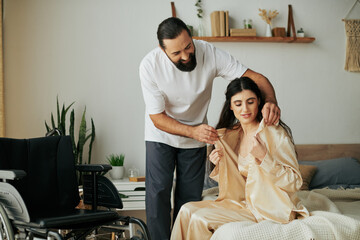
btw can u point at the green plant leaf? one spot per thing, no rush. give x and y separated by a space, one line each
82 136
88 136
67 109
92 139
123 195
58 110
116 159
53 121
65 112
47 127
72 135
62 120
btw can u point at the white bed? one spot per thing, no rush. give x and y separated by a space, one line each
333 199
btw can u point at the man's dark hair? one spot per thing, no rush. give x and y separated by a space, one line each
170 28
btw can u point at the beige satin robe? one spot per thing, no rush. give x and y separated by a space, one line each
248 191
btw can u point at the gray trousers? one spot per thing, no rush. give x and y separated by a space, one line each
161 160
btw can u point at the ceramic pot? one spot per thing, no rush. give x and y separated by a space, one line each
117 172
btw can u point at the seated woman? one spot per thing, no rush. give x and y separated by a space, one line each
255 166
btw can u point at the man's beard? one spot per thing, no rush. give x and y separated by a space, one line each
187 67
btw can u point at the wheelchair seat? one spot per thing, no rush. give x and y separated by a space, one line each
40 192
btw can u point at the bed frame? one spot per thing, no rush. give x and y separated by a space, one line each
313 152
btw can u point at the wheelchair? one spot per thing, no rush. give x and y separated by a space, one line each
39 195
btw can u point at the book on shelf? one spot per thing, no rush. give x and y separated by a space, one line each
219 23
222 23
215 26
227 33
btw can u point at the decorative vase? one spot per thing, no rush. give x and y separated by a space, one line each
268 31
117 172
201 29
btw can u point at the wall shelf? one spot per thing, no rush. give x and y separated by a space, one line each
257 39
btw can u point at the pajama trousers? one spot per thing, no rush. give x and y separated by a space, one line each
199 220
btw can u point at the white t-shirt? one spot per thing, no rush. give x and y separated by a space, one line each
184 96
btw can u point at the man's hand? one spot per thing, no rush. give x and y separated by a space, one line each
271 113
204 133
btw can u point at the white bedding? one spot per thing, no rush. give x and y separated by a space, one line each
335 214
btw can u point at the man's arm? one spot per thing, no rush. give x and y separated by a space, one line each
264 84
202 133
271 111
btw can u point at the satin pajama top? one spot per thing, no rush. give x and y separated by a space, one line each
268 189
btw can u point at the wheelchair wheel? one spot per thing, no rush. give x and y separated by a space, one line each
6 231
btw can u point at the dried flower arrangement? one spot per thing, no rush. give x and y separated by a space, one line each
268 16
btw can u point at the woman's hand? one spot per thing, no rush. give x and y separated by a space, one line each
215 156
258 149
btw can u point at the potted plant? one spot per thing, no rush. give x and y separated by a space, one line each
59 128
117 163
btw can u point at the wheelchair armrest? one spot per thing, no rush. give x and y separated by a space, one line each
93 168
92 181
12 174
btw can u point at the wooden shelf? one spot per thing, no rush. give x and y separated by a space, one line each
257 39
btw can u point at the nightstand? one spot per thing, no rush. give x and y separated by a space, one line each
134 192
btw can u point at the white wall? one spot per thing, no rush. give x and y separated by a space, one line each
88 51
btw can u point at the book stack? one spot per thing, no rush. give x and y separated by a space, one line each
220 23
234 32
